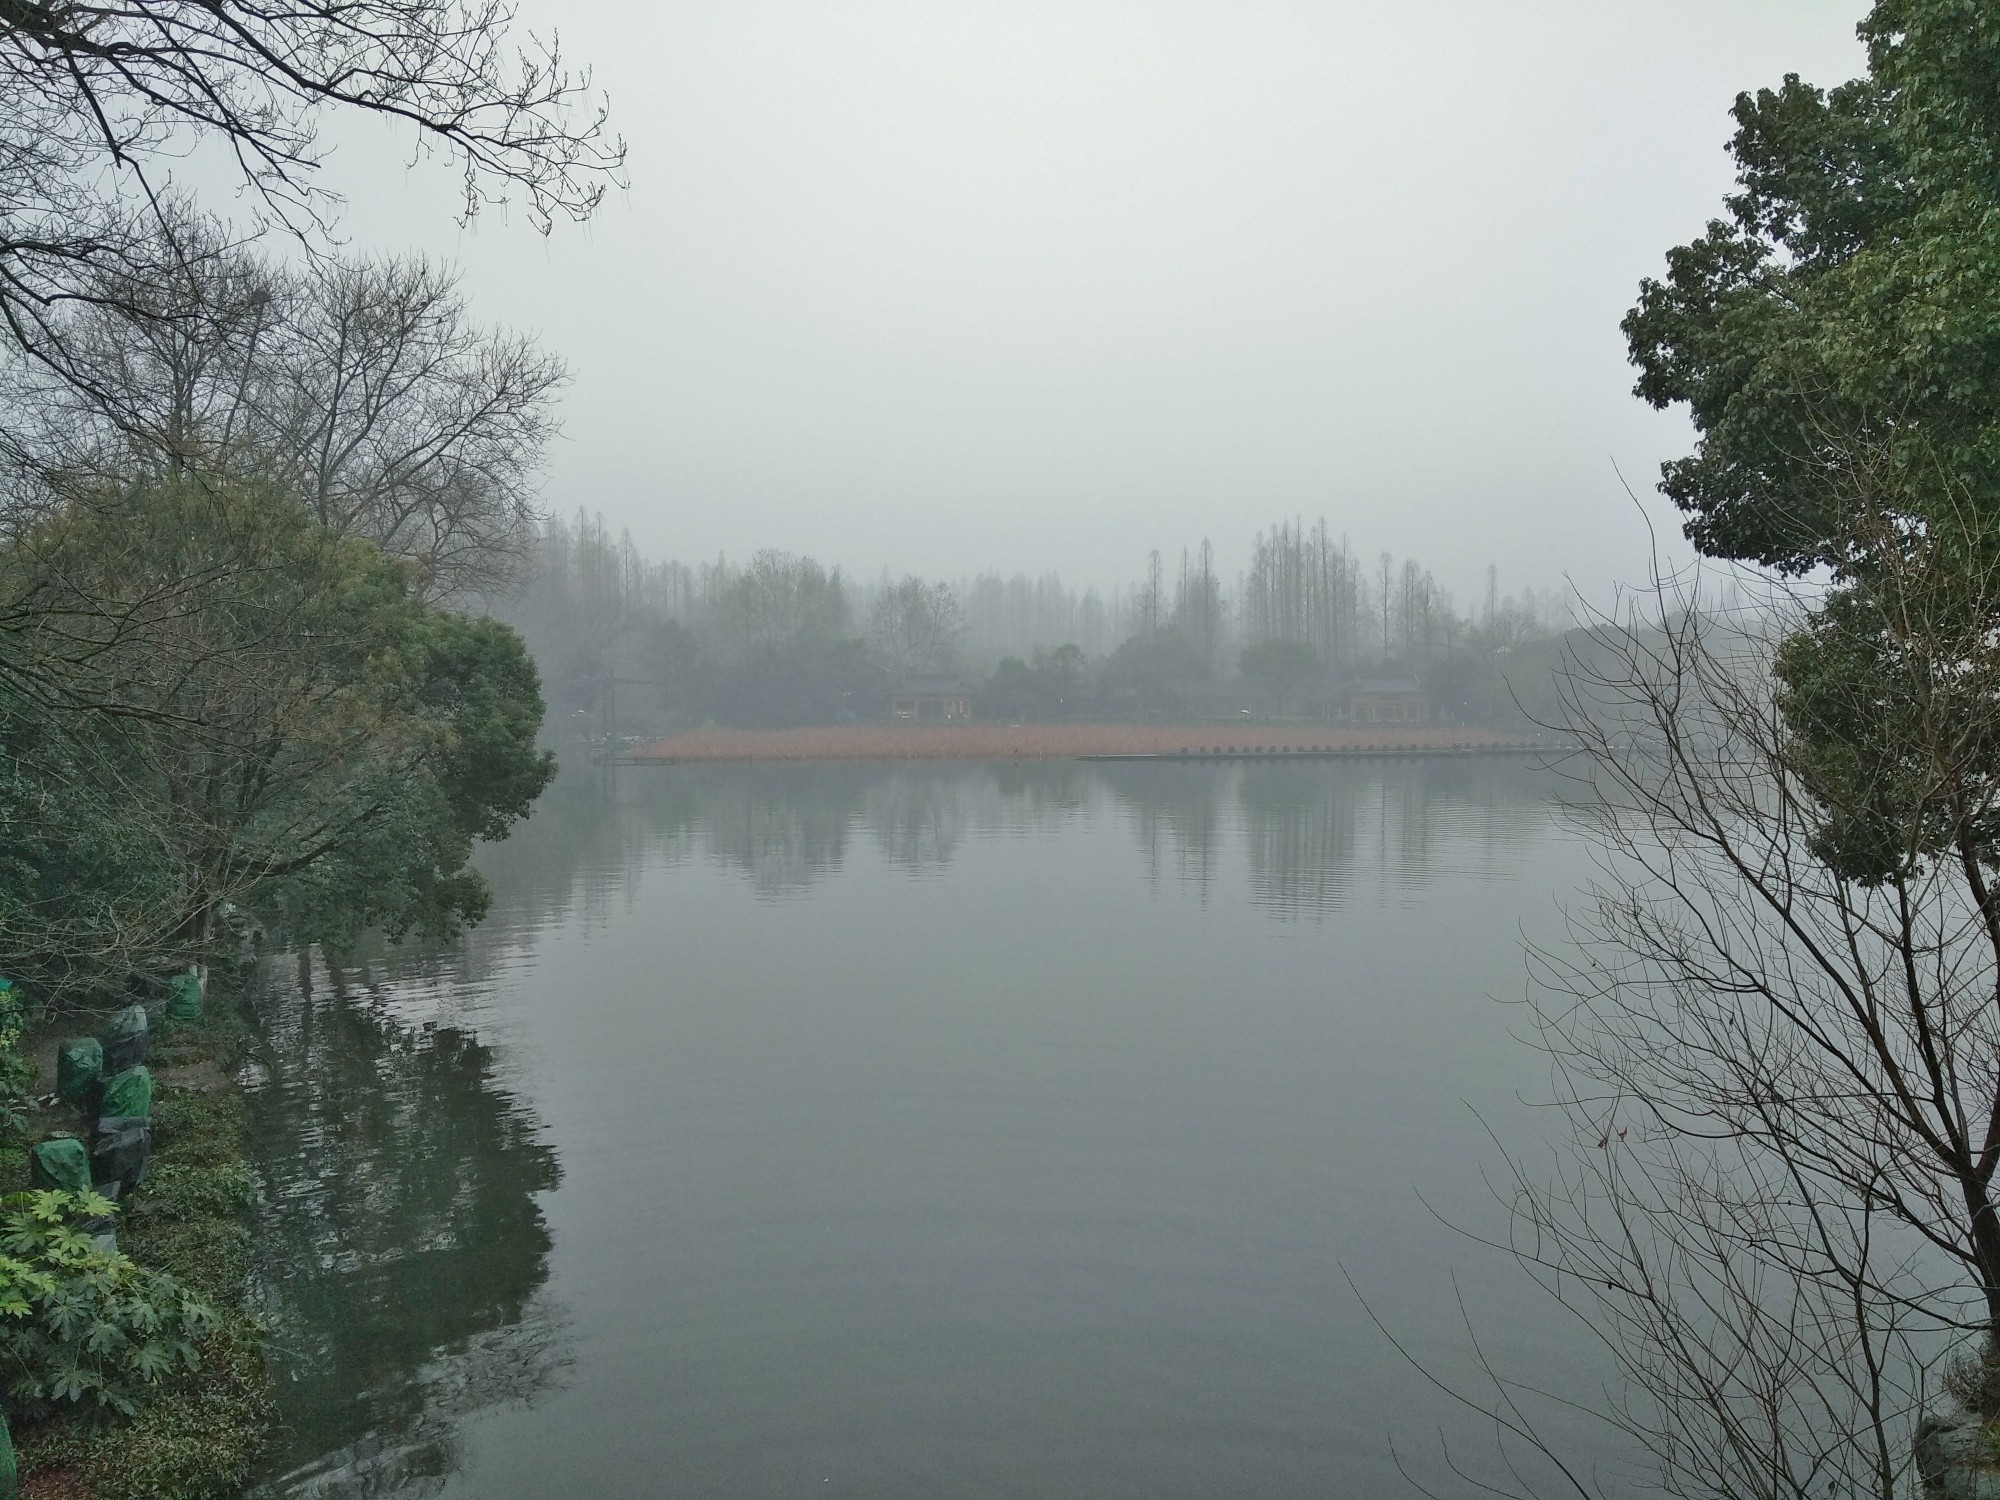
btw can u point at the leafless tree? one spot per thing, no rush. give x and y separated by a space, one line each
101 99
782 597
915 627
1775 1027
365 387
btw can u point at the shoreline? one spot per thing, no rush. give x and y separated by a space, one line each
194 1217
1096 742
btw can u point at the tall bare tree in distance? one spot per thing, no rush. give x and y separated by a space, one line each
916 627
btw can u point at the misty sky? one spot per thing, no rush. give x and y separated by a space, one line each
952 287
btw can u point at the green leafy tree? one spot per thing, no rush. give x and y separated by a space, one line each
86 888
1041 689
1061 668
1161 669
1280 668
468 770
297 732
1832 338
1787 991
1834 341
1013 691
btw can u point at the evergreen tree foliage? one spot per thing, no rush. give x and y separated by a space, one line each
277 720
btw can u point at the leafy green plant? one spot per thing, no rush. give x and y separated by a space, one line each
82 1327
17 1069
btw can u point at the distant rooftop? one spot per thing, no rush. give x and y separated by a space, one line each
1384 685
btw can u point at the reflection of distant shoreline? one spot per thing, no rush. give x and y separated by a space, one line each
1059 741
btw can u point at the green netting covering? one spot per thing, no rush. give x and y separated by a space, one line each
125 1038
129 1094
184 997
79 1063
60 1163
10 1473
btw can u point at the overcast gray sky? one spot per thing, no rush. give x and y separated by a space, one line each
950 287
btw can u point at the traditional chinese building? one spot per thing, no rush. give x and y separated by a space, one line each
937 700
1386 700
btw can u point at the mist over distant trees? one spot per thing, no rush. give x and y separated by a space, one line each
915 627
1012 616
630 645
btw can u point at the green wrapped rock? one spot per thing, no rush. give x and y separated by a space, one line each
184 997
61 1163
79 1064
125 1038
129 1093
10 1471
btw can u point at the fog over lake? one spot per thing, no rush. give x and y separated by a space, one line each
1032 286
987 1130
754 748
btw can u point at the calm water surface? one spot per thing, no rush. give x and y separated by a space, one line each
985 1130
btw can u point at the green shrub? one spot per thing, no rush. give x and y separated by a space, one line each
84 1328
17 1069
177 1191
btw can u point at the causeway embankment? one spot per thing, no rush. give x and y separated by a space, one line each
1068 742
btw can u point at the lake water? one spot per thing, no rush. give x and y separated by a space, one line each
968 1130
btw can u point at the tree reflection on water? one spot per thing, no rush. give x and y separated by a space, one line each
403 1253
405 1256
1308 835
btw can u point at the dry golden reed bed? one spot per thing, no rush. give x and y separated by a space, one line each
1052 741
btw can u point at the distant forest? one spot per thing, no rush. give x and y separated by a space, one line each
628 645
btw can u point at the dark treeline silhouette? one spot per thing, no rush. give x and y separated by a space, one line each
628 645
